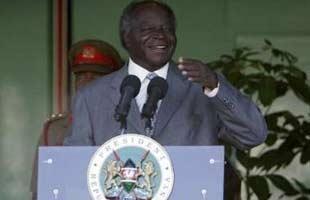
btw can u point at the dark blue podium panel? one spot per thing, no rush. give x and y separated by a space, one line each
198 172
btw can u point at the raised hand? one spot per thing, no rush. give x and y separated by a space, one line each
197 71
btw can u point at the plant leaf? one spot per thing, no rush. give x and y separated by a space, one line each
299 87
283 184
302 198
259 186
305 155
302 187
274 159
268 42
271 139
281 88
267 90
245 160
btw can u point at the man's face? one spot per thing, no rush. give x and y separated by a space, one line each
151 41
83 78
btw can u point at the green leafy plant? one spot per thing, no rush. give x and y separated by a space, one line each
266 75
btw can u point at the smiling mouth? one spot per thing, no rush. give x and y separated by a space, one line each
159 48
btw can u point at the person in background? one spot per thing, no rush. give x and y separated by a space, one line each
88 60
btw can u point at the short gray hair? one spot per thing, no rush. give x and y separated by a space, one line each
128 16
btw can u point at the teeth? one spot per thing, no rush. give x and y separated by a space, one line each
160 47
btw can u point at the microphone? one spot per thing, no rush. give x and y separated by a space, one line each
156 90
129 89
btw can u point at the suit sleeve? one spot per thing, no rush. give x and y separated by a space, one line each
242 122
80 132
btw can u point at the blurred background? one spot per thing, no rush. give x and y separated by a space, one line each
35 36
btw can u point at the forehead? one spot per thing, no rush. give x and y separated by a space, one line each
151 13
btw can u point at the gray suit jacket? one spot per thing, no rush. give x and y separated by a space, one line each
186 115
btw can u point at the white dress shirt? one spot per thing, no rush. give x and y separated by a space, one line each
141 73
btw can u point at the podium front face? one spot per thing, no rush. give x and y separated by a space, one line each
198 172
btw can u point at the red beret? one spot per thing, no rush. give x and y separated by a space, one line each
94 55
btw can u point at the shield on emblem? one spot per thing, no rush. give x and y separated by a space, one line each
129 175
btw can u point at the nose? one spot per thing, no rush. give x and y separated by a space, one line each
159 33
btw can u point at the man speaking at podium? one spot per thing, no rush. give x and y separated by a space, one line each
200 106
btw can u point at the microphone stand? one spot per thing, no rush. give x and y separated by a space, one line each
149 117
123 127
148 127
122 120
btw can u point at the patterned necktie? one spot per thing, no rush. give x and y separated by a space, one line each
142 96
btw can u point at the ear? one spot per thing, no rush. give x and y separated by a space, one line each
126 39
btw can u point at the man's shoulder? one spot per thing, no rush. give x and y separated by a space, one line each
97 87
103 82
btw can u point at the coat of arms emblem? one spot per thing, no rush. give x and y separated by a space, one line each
130 167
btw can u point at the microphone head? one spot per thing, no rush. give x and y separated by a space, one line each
159 83
133 82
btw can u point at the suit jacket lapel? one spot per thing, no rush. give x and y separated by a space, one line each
134 114
177 90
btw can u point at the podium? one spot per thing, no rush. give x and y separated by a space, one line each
198 172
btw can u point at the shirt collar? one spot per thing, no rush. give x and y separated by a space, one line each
141 73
